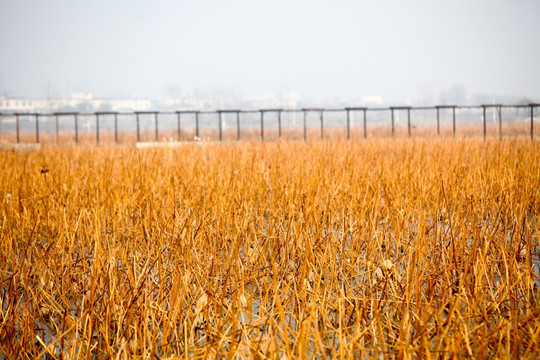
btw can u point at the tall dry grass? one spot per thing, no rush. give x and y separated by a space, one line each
394 248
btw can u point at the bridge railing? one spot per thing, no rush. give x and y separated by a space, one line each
269 123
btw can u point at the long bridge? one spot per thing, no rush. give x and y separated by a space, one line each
261 114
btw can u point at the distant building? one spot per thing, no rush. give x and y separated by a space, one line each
372 100
80 102
20 104
84 102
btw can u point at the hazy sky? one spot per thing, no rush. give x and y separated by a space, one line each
400 50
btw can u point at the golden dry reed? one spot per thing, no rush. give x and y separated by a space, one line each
331 249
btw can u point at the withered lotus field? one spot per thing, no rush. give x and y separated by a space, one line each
327 249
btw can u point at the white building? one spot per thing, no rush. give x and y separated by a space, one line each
84 102
80 102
